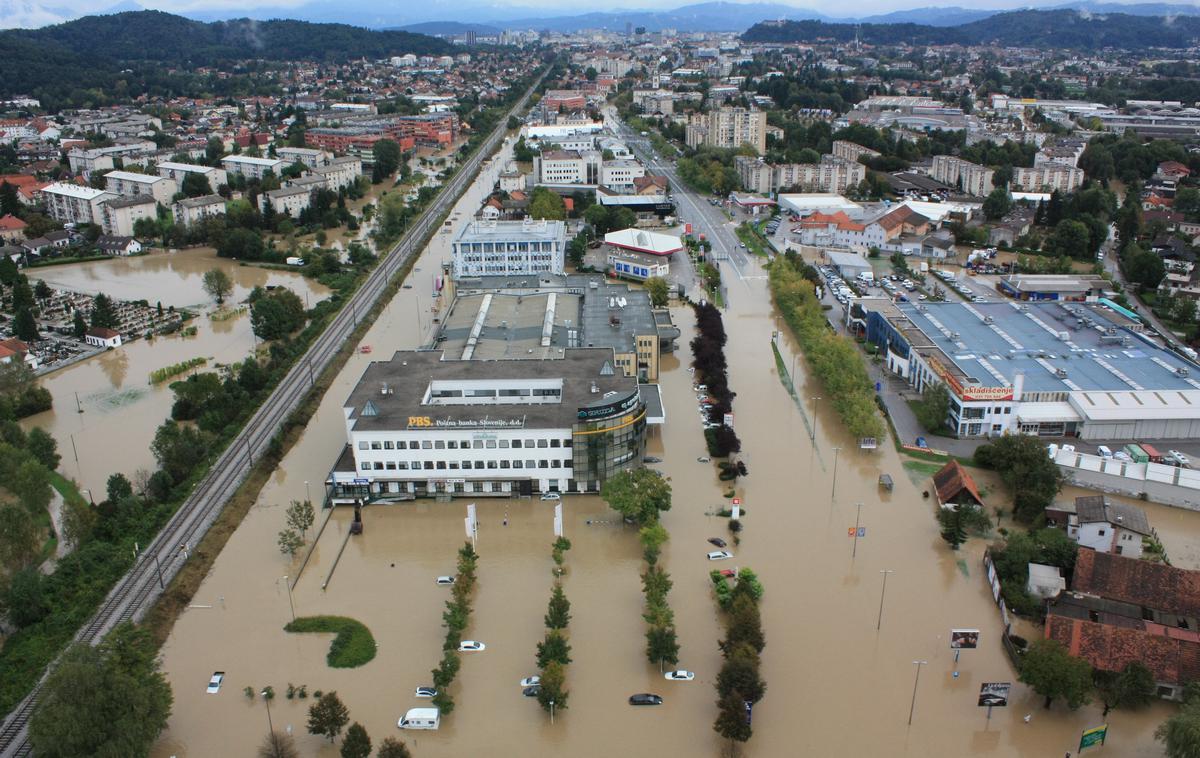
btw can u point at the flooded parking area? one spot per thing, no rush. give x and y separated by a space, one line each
840 675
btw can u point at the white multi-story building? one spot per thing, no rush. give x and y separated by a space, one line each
1048 177
490 248
193 210
422 424
832 174
974 179
75 204
87 161
567 167
310 157
130 184
728 128
619 174
340 173
852 151
177 171
251 167
289 200
120 214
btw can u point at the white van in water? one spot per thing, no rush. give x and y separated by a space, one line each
421 718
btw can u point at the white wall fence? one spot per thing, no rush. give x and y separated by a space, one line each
1157 482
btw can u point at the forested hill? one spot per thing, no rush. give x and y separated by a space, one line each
166 38
1029 28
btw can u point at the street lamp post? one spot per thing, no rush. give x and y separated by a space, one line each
917 679
833 491
813 436
267 699
307 493
879 621
291 603
551 711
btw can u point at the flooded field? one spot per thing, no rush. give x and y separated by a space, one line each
173 278
836 685
121 409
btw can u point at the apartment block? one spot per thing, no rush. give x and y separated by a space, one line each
1048 177
291 201
832 174
74 204
130 184
307 156
178 171
340 173
251 167
567 167
121 214
193 210
728 128
974 179
852 151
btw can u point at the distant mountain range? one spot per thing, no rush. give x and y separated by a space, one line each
1068 29
701 17
449 28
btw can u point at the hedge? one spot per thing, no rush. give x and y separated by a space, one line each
352 647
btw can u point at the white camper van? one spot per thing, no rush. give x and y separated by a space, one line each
421 718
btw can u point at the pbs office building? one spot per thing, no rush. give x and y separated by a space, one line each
421 425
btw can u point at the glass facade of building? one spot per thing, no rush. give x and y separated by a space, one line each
608 443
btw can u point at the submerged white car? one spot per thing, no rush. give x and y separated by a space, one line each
679 676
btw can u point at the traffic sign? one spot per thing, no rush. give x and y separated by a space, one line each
862 531
737 501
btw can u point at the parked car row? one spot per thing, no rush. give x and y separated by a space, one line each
1134 452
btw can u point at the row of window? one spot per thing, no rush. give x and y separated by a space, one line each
463 444
536 392
500 247
460 465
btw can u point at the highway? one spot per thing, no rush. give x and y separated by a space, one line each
137 591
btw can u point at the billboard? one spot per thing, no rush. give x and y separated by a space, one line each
964 639
994 694
1092 737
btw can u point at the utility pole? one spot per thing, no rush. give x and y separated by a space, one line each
857 521
290 601
917 679
879 621
813 436
833 491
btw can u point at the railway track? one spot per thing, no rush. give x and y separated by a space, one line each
158 563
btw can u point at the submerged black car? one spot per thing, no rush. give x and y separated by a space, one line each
645 698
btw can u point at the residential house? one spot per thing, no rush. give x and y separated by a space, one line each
954 486
12 230
1121 610
118 245
102 337
15 350
1108 527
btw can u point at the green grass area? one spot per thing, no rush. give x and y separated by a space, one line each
67 488
919 471
353 646
749 235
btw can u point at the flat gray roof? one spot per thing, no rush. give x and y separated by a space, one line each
1097 354
408 373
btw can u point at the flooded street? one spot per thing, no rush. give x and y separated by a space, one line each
835 685
121 409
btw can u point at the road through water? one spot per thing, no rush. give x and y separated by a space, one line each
836 685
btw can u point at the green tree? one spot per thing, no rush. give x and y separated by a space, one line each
547 204
72 719
640 495
19 540
25 325
553 687
1129 218
387 155
241 244
658 290
195 185
731 720
953 531
79 327
42 291
275 314
554 648
118 487
1026 470
997 204
300 516
178 449
392 748
289 542
1054 673
217 284
278 745
662 646
933 407
328 716
1071 239
739 676
104 312
357 743
43 447
558 614
1142 266
24 599
1180 734
1184 311
31 485
744 625
1131 688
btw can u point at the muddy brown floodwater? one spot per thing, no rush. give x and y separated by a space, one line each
121 409
836 686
